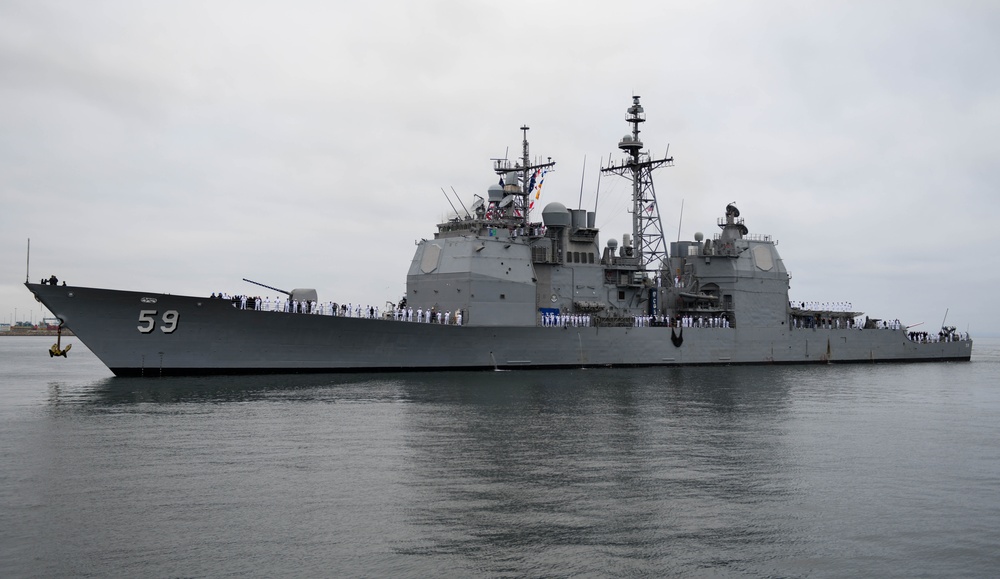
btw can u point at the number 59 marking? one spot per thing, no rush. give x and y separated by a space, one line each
147 322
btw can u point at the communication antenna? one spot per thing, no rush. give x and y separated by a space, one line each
680 220
582 175
457 196
27 266
597 195
506 153
449 201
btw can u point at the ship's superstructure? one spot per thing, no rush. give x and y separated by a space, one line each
498 288
500 268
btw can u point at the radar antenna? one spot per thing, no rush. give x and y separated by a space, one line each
647 230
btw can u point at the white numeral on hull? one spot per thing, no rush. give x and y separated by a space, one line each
147 321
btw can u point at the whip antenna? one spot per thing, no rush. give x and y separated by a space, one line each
459 197
679 221
449 201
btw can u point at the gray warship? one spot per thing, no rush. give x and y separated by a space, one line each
494 289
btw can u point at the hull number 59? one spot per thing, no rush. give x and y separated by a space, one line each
147 321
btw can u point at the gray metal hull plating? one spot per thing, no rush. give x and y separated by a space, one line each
209 336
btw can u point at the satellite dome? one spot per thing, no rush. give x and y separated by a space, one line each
698 236
555 214
629 143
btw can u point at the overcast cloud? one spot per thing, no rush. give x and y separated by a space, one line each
181 146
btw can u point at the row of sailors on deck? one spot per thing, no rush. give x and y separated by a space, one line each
427 317
702 322
552 320
299 306
844 323
941 336
535 231
824 323
682 321
342 310
822 306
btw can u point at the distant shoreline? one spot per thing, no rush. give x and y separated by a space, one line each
36 333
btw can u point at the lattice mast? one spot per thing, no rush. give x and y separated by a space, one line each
647 229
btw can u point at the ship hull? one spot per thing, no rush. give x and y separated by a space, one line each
147 334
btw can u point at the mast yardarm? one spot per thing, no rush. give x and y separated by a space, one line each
521 205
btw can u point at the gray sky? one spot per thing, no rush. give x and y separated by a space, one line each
181 146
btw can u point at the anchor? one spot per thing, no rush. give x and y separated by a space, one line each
56 350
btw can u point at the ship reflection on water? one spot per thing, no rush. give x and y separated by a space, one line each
762 470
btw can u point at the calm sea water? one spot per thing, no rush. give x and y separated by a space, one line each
821 471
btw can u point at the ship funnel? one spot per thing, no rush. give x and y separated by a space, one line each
591 219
